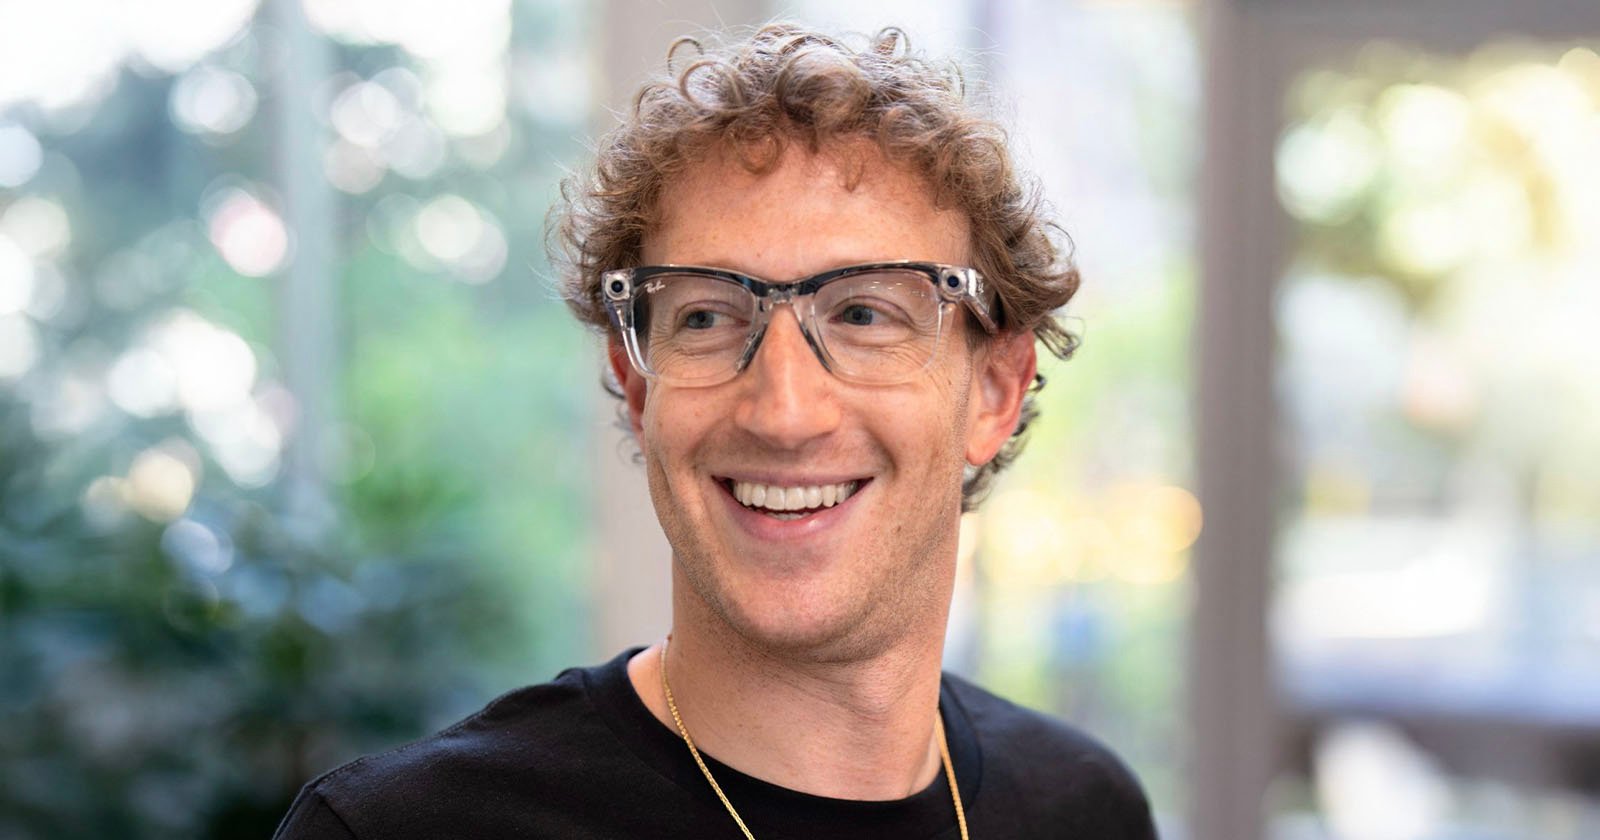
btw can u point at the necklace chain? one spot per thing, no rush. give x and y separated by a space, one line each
938 726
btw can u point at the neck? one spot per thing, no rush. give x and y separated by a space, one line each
856 729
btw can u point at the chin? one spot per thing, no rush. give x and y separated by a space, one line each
818 628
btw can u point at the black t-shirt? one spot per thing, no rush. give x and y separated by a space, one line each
582 757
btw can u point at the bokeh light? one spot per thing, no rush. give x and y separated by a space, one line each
19 346
49 56
1425 236
365 113
416 149
38 225
104 501
199 547
461 48
244 439
1425 129
173 34
161 482
212 101
248 234
351 168
214 367
16 277
380 127
20 155
143 383
461 236
469 100
1324 167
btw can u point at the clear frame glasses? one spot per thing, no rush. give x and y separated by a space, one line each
873 324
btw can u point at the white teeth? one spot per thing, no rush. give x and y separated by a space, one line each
778 499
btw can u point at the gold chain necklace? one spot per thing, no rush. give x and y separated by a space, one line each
938 726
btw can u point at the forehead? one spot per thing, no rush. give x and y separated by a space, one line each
806 214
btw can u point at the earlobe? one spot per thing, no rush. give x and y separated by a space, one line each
629 382
1000 382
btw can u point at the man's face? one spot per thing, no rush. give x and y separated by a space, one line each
845 580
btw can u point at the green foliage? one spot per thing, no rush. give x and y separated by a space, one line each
182 673
162 685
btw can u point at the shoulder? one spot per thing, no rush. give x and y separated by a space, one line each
414 784
499 734
1032 761
1010 732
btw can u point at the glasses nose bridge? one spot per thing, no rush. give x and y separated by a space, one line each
774 296
767 304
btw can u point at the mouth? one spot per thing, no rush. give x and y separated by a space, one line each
786 503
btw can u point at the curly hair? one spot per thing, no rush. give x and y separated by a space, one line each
789 84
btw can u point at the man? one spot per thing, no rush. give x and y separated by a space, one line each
821 284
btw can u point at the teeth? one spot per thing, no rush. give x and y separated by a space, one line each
780 499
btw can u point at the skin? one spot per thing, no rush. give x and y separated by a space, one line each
833 628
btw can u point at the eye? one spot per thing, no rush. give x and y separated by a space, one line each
858 315
869 313
700 319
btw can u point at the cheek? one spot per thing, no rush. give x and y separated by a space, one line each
667 441
673 424
926 430
955 403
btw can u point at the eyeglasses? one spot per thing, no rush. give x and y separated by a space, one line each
873 324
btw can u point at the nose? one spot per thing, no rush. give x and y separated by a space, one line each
788 397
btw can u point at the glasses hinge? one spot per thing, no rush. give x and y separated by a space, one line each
617 284
956 281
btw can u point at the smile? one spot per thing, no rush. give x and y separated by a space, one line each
789 502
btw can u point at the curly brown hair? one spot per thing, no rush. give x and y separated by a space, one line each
789 84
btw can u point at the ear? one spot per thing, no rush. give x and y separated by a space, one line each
629 381
1002 375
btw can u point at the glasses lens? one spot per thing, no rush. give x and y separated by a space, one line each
692 328
879 326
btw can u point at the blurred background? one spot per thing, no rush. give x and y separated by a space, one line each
301 457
